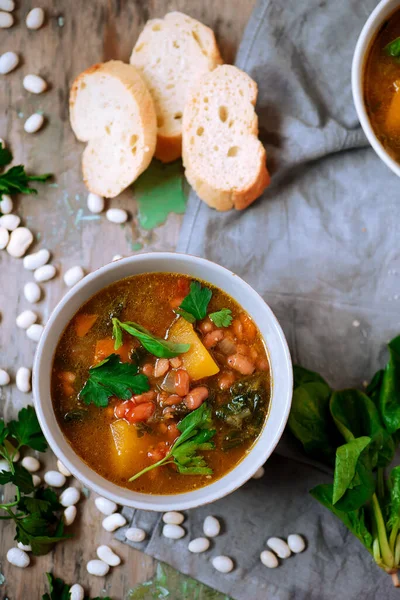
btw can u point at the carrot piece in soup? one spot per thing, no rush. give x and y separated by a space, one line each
393 114
84 323
197 361
106 347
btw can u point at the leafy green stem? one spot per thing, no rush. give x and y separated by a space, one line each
164 461
386 552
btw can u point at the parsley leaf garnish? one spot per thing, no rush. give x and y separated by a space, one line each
196 434
26 431
155 345
221 318
113 378
61 591
38 518
196 302
16 180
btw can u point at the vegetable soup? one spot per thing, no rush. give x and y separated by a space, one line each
161 383
382 85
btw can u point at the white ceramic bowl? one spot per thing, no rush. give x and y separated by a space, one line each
384 9
229 282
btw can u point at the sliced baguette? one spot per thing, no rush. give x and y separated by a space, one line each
171 53
112 110
223 158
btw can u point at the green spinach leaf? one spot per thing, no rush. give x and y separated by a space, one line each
309 419
153 344
355 521
389 398
353 483
393 48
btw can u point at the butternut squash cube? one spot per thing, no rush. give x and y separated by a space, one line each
126 447
197 361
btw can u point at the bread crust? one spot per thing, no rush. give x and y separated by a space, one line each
135 88
177 24
218 195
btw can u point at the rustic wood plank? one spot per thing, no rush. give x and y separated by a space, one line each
76 35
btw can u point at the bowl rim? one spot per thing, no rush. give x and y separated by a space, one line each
181 501
371 27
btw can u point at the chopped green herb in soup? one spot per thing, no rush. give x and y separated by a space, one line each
161 383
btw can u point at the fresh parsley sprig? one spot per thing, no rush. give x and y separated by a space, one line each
221 318
153 344
194 307
16 180
196 435
358 433
113 378
61 591
36 512
195 303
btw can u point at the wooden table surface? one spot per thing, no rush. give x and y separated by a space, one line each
76 34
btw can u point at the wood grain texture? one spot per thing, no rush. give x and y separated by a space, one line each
76 34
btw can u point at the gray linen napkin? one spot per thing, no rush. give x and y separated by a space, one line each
322 247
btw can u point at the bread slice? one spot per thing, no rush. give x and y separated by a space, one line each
112 110
171 53
223 158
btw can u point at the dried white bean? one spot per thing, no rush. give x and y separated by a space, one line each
199 545
117 257
259 473
97 567
173 518
32 292
63 469
269 559
117 215
70 496
95 203
31 464
279 546
36 260
54 478
4 377
76 592
8 62
4 466
34 84
23 379
296 543
26 319
18 558
135 534
20 240
35 18
36 480
211 526
108 556
10 222
4 237
6 20
69 515
24 547
173 532
223 564
34 123
45 273
73 275
105 506
7 5
6 204
113 522
34 332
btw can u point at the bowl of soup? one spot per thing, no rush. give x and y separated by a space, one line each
376 81
162 381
